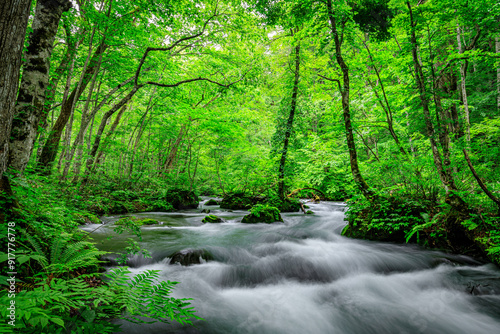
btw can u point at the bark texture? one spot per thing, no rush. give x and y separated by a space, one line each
13 22
34 81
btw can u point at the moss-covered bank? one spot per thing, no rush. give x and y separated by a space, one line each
427 223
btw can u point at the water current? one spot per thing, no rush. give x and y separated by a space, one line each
302 276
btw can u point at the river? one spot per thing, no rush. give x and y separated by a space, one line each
302 276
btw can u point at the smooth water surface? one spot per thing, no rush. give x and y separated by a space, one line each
302 276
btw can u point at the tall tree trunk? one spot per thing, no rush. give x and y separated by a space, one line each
344 91
83 124
289 124
497 49
49 150
169 162
13 22
101 153
444 173
138 140
31 97
463 89
102 126
385 106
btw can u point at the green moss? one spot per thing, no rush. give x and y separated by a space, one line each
262 214
238 201
211 202
309 212
212 219
146 221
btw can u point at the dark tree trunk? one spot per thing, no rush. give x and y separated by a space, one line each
49 150
289 124
344 90
34 81
13 22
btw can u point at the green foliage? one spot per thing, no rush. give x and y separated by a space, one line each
72 305
389 219
62 256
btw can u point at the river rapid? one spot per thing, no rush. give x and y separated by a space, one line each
302 276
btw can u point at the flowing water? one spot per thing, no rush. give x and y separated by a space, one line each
302 276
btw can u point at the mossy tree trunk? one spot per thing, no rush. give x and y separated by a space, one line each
51 146
289 124
13 22
34 81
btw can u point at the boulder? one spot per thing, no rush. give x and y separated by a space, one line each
205 211
309 212
182 199
212 219
211 202
262 214
238 201
146 221
187 257
130 221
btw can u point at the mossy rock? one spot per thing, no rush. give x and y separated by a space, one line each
135 221
284 205
187 257
238 201
212 219
158 205
146 221
211 202
262 214
179 199
309 212
86 218
205 211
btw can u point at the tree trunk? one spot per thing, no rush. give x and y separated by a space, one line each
289 124
497 49
463 74
344 90
49 150
173 152
83 124
34 81
13 22
444 175
102 126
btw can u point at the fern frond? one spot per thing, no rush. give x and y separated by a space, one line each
34 243
72 250
56 249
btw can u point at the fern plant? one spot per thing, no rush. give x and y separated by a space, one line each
62 256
